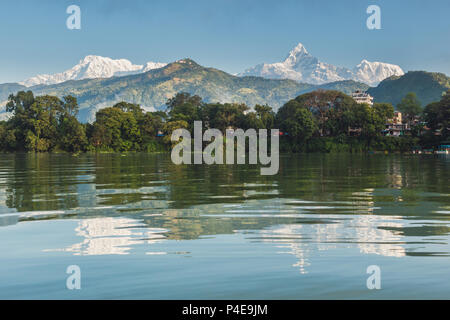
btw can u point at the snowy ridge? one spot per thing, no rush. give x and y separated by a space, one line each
93 67
373 73
301 66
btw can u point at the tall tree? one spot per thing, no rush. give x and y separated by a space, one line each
410 106
184 107
115 129
437 116
301 126
266 115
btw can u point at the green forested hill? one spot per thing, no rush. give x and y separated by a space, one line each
429 87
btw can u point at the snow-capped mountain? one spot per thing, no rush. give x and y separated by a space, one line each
93 67
301 66
373 73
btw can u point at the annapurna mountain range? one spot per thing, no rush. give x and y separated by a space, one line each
299 65
99 82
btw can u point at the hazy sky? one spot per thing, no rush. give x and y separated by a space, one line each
227 34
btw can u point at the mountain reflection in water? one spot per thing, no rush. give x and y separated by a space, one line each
324 206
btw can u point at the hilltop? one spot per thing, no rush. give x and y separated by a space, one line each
429 87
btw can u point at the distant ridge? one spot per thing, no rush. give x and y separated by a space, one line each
429 87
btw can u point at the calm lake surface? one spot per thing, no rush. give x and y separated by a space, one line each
140 227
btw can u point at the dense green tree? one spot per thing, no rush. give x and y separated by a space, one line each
384 110
301 126
315 121
410 106
7 137
117 130
222 116
437 116
70 106
20 105
181 99
266 115
37 119
249 120
43 123
128 107
371 120
184 107
20 102
325 105
171 126
151 123
125 127
73 135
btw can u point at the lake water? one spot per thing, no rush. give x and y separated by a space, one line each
140 227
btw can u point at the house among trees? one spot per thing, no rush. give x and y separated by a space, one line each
395 126
362 97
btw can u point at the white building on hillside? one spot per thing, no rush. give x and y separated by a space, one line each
362 97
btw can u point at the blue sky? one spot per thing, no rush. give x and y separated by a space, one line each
227 34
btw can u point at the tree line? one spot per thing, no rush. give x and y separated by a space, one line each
322 120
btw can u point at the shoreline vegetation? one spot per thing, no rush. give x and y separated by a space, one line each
325 121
